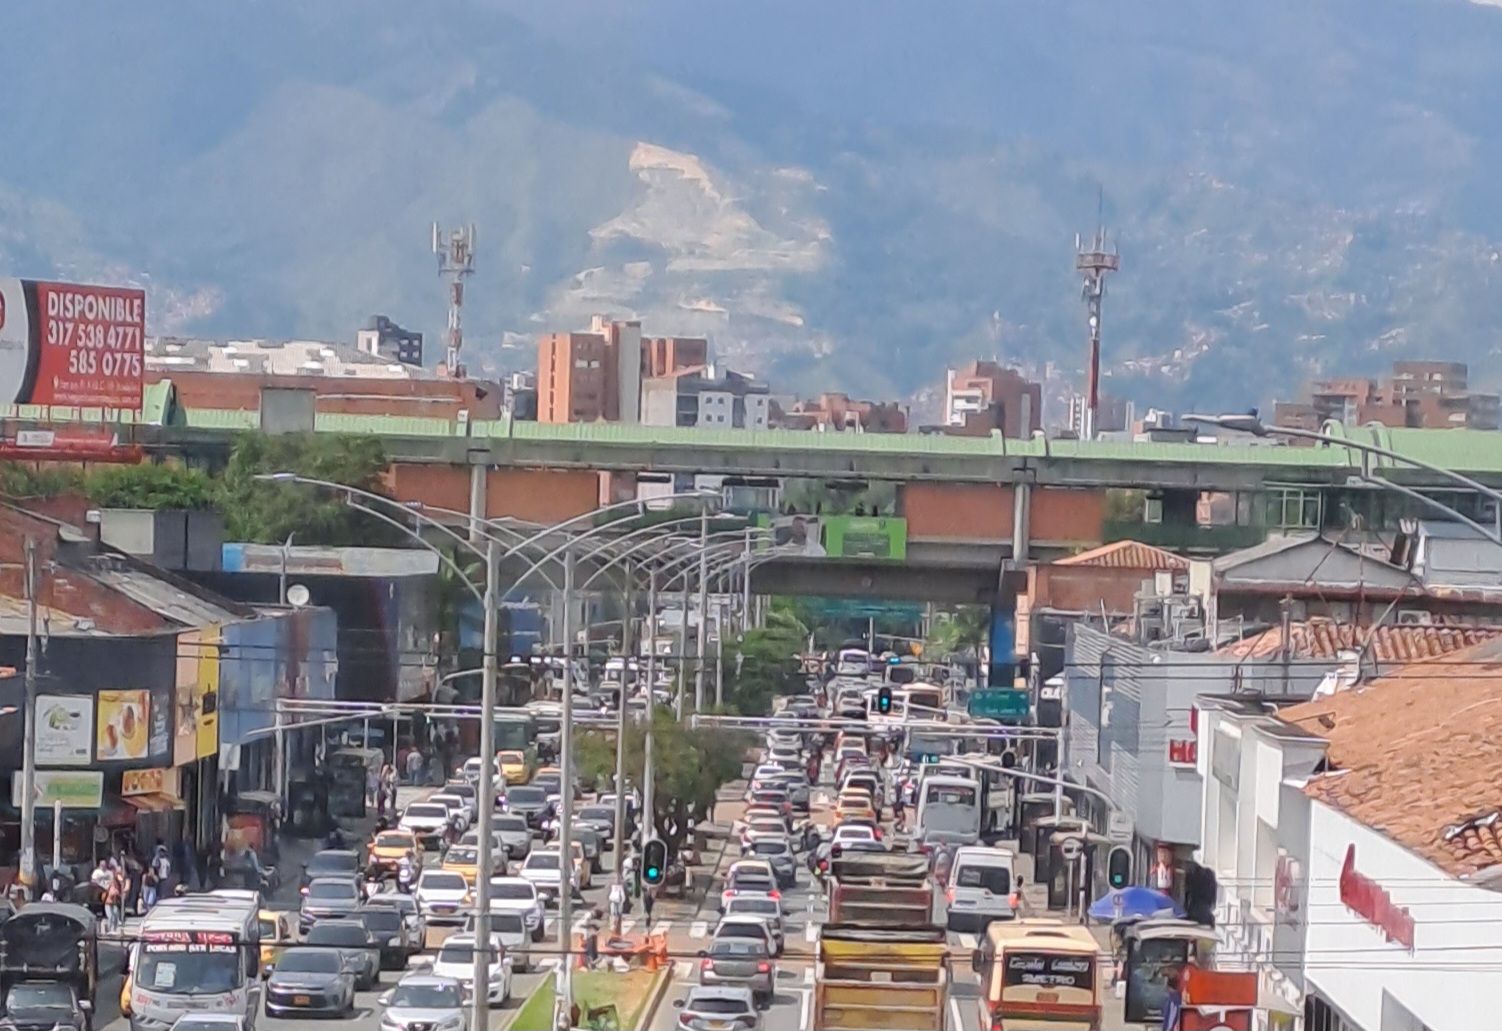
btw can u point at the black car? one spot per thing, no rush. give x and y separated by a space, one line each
331 862
44 1006
530 801
388 927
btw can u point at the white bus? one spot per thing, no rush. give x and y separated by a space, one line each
949 810
196 953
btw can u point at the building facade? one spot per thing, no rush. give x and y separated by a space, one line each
702 396
833 412
981 397
1421 394
382 338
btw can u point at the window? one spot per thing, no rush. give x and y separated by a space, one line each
1293 508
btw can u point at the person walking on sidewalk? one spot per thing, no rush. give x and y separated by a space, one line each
617 906
414 765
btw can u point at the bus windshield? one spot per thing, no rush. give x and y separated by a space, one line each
515 732
170 969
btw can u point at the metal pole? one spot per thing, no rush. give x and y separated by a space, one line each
27 872
279 750
282 585
719 668
620 737
746 586
646 779
702 641
563 998
683 652
57 835
485 791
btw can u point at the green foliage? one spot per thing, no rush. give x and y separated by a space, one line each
959 632
266 513
151 485
768 662
690 766
19 480
817 496
1124 506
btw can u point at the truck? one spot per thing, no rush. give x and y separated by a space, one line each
50 943
881 963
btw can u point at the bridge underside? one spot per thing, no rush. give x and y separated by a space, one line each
886 581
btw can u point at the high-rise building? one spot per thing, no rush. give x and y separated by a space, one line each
703 396
598 375
983 396
383 338
1423 394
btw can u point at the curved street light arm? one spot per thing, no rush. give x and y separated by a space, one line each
383 517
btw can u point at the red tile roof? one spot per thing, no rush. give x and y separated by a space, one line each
1326 638
1127 555
1416 755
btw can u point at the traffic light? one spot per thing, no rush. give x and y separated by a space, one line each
884 701
654 864
1119 867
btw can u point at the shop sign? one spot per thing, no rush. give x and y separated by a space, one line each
161 725
184 709
1184 752
206 694
124 725
155 781
64 730
75 789
1370 901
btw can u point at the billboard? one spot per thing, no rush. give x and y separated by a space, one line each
72 345
855 536
75 789
64 730
124 725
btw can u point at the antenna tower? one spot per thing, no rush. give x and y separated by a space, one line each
456 262
1094 264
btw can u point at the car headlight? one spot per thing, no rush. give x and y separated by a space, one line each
387 1024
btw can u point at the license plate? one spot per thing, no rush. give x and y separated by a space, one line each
1048 996
718 1025
302 1000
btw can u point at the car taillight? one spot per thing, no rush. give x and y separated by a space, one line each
949 895
763 968
878 833
774 894
304 891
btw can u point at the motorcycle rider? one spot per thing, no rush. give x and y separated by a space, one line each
406 873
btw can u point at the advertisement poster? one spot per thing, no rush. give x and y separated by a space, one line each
879 537
161 723
64 729
71 344
206 693
75 789
154 781
184 702
124 726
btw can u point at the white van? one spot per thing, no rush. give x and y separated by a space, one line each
979 888
195 953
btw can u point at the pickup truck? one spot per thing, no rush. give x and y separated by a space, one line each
880 889
877 977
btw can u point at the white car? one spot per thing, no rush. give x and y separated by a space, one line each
422 1000
762 907
519 895
746 926
541 868
442 896
456 959
460 811
857 837
426 821
511 928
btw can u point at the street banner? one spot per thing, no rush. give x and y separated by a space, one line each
64 730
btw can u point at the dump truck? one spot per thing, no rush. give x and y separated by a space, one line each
882 963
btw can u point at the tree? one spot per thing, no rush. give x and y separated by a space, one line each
151 485
768 662
266 513
689 767
960 632
19 480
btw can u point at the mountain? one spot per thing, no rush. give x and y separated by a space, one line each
847 194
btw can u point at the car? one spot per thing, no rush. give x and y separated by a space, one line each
387 848
762 907
424 1002
331 862
469 793
774 796
590 839
601 817
530 801
515 765
800 792
276 935
549 778
430 822
464 860
850 808
456 959
856 837
470 771
583 871
718 1008
749 878
309 981
514 834
210 1022
746 926
328 898
979 888
406 905
519 895
392 935
744 962
511 927
54 1005
759 827
461 813
542 868
442 896
356 946
779 854
789 758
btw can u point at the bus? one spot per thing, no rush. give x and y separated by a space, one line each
515 731
196 953
949 810
1039 973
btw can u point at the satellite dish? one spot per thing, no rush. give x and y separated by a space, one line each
298 596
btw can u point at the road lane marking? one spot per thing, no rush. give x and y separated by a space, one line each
698 929
811 933
967 941
661 927
682 970
954 1014
808 976
805 1008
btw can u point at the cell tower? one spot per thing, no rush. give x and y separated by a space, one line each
456 262
1093 264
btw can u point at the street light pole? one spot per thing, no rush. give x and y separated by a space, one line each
27 872
485 796
702 641
620 737
682 652
647 773
563 998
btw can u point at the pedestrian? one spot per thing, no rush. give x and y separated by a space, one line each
1017 901
149 885
648 900
388 784
414 765
114 894
161 867
591 940
617 906
373 787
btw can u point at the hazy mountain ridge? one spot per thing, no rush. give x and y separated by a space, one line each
848 195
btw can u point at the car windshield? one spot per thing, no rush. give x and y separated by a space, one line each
332 890
334 862
337 934
267 928
308 961
770 848
513 758
515 824
541 861
714 1005
510 890
191 1023
738 947
427 996
459 855
464 791
740 929
526 796
438 881
507 923
393 839
426 811
456 952
385 921
751 882
38 996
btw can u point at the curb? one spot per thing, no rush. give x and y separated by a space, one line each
653 1000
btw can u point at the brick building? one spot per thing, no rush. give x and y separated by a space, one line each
597 375
839 412
1418 394
981 396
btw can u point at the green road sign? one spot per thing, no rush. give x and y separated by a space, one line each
1000 703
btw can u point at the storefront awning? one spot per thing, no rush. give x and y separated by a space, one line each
154 803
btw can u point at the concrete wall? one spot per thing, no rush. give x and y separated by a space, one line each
1085 588
536 495
427 398
984 512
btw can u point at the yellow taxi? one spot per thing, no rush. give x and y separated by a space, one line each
387 848
515 766
465 860
854 805
276 935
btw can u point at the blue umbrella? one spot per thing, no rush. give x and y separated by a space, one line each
1133 902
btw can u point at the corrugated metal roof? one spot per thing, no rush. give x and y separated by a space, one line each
1415 757
1327 638
384 425
1127 555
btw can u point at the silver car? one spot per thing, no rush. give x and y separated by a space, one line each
746 962
514 834
718 1008
424 1001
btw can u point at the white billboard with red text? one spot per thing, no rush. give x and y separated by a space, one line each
72 345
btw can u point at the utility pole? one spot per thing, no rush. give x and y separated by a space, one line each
485 795
746 586
647 773
620 735
1094 264
703 639
563 998
683 653
27 871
